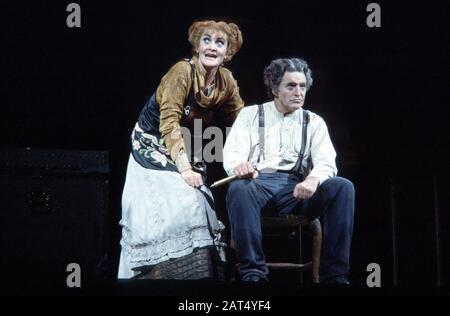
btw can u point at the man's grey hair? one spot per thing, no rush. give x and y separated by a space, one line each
273 74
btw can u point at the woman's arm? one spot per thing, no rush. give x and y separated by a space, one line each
171 96
234 104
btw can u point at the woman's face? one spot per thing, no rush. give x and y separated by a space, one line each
212 49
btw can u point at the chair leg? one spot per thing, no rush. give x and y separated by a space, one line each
300 251
316 229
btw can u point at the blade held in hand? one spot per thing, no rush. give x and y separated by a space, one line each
260 166
268 163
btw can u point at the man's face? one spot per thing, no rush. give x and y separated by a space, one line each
291 92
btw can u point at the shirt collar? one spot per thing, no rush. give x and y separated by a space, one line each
293 115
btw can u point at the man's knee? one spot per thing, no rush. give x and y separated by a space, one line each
341 186
345 185
239 187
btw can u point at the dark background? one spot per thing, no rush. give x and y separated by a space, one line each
382 91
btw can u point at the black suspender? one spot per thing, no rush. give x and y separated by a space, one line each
297 169
261 132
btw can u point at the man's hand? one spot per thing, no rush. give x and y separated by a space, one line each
304 190
245 170
192 178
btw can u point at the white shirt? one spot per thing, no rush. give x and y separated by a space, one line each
283 136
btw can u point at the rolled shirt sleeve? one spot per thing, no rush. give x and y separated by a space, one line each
238 143
323 154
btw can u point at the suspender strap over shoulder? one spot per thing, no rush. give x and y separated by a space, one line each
261 132
297 169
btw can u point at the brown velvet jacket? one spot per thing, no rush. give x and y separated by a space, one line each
173 92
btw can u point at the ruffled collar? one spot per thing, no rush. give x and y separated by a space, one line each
218 90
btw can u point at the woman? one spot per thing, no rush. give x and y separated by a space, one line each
166 209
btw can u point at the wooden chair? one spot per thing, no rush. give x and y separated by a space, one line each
293 224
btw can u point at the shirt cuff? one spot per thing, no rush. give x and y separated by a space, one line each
321 177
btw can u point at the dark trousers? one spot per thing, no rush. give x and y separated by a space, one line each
333 201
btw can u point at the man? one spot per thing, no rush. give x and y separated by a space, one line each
303 182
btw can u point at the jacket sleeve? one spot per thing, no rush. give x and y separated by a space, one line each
233 106
172 93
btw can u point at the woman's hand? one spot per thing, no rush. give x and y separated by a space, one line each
192 178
